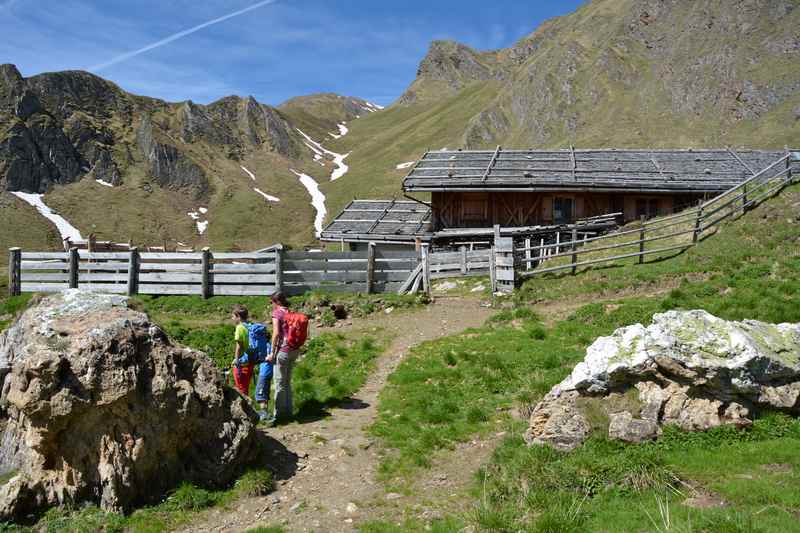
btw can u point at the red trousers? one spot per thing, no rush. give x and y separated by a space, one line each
241 378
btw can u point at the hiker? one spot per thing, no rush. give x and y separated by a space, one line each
252 348
242 368
289 331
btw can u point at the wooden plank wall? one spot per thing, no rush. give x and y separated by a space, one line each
509 209
347 271
460 263
212 274
241 274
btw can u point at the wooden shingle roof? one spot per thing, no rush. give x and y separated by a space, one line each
607 170
380 221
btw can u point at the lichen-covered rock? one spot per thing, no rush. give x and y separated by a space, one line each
688 368
99 406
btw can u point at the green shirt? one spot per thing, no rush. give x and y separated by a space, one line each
241 336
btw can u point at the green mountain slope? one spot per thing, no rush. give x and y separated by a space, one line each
616 73
126 167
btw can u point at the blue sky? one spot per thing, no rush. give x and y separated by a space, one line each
278 50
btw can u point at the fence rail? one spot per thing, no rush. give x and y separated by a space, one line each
209 274
691 223
265 271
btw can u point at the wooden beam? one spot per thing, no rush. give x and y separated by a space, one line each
133 272
491 163
572 159
370 266
73 267
739 159
14 271
205 263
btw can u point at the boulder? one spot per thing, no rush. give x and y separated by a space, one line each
688 368
99 406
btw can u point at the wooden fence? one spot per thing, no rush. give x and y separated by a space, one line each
209 274
672 234
461 263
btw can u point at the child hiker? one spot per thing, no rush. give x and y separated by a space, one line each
252 348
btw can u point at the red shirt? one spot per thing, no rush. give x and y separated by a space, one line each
279 314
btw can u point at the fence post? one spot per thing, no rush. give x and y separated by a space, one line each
463 251
205 266
73 268
506 272
370 266
493 269
697 222
574 250
133 272
744 198
528 254
426 269
279 268
14 271
641 240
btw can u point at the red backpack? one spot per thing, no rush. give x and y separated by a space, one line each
296 329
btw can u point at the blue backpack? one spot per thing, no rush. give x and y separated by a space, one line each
259 345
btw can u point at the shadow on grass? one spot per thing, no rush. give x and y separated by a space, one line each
314 410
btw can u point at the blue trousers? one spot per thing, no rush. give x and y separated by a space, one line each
264 382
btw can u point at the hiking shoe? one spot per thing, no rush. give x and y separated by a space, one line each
262 416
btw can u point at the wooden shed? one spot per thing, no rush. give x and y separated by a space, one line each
514 188
387 223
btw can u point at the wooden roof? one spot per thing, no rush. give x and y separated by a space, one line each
608 170
380 221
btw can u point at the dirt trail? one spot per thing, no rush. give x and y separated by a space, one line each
327 477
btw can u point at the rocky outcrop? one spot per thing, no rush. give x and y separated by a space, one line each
449 66
688 368
99 406
170 167
239 125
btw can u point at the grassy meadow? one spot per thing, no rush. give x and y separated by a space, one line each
459 387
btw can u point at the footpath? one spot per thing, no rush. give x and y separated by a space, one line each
326 469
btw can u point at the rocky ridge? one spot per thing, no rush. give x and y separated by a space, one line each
601 75
688 368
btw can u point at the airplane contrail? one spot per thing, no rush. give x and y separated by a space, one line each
176 36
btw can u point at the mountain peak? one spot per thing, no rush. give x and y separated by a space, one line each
447 68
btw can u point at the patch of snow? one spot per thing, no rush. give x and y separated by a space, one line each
67 230
252 176
338 159
370 107
317 199
107 184
343 130
401 166
181 243
267 196
202 225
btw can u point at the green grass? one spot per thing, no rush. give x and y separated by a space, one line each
333 365
611 486
455 388
177 509
333 368
11 307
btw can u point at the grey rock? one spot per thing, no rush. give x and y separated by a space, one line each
623 426
170 167
688 368
99 406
